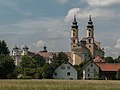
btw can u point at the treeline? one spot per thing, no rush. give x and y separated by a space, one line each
111 60
31 67
35 67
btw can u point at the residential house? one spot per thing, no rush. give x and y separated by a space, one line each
65 71
99 69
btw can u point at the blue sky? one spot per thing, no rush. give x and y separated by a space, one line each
48 22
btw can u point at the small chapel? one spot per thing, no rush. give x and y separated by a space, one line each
87 48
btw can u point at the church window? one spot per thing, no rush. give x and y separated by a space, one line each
89 40
89 34
63 67
68 73
73 34
89 46
73 41
88 70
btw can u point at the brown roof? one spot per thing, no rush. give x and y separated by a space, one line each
109 66
48 54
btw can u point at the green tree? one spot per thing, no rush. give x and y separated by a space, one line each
118 74
28 62
3 48
47 71
117 60
7 66
79 68
109 60
40 61
58 59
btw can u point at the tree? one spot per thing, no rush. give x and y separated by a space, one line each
109 59
47 71
28 62
58 59
40 61
117 60
118 74
7 66
79 68
3 48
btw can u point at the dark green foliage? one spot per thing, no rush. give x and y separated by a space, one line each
118 75
40 61
47 71
28 62
79 68
117 60
3 48
109 60
7 66
58 59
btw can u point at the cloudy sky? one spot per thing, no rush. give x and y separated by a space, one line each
48 22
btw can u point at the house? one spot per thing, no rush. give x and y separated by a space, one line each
86 48
65 71
91 71
99 69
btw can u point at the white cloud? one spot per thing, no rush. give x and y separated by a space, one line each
39 44
62 1
102 2
118 44
95 12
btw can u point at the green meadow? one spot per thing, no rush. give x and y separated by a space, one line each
59 85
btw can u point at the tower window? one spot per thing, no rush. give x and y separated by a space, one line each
73 41
88 70
89 34
89 46
89 40
73 34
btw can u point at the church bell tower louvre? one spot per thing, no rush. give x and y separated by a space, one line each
90 37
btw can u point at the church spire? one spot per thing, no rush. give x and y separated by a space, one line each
74 23
90 23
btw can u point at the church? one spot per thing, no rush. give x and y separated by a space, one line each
86 48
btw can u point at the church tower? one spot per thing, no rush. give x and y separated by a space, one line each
90 38
74 40
74 34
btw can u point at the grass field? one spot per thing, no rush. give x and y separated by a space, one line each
59 85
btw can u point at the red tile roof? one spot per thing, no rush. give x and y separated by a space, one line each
108 66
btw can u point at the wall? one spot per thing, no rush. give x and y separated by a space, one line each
62 73
91 71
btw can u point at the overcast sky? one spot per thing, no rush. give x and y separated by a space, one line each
48 22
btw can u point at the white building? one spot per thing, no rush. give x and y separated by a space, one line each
65 71
91 71
17 53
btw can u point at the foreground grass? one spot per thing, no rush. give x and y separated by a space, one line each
59 85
